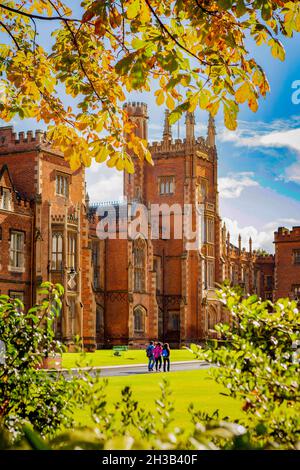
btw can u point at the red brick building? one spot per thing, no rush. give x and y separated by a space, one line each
125 290
287 265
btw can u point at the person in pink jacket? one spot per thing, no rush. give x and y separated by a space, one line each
157 352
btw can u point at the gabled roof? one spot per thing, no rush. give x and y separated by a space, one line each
4 170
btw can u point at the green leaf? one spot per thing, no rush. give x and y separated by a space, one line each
122 67
225 4
35 441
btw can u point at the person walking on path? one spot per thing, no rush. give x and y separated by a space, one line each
157 356
166 357
150 355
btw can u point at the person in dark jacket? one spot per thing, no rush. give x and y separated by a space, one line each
150 355
166 357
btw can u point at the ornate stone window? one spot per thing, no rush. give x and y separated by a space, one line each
210 224
62 185
166 185
139 315
57 251
139 257
210 275
72 250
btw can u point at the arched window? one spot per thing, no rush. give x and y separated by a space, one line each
139 314
139 257
212 318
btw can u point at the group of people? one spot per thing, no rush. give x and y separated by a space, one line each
158 354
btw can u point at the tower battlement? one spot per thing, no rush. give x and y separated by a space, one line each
284 234
179 145
136 108
10 139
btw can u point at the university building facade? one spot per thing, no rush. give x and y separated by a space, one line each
126 290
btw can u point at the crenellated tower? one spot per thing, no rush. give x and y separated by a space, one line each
134 184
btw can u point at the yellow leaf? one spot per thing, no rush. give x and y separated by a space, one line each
133 9
243 93
277 49
160 97
170 102
253 104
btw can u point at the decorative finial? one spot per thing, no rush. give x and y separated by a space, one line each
240 242
190 126
211 132
167 134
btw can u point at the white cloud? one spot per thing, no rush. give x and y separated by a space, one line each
103 183
288 138
260 238
276 134
232 185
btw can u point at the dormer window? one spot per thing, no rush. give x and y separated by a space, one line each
5 200
166 185
62 185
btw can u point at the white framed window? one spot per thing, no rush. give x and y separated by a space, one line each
57 251
16 250
62 185
166 185
6 200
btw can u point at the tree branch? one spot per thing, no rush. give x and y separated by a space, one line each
39 17
209 12
165 29
11 35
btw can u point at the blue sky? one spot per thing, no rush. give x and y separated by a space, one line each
259 164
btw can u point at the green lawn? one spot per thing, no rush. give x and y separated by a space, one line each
187 387
105 357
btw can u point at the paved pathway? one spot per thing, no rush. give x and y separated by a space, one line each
136 369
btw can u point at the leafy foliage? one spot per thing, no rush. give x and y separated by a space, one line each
257 363
194 51
26 392
138 429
